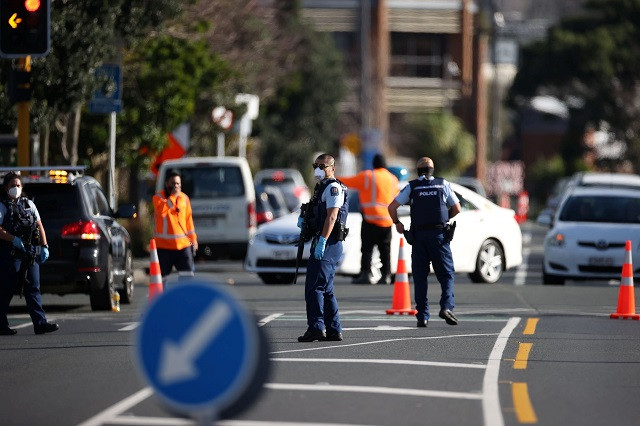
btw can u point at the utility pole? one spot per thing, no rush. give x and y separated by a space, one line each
24 65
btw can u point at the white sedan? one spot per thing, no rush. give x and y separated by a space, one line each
487 241
589 234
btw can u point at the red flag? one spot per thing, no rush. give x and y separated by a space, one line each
177 147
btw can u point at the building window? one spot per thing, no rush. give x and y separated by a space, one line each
347 43
416 55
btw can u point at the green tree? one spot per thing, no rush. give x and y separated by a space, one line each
165 79
592 62
300 119
442 137
296 73
84 35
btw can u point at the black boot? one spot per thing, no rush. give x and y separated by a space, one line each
48 327
312 335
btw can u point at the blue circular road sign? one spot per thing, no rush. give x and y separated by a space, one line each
198 347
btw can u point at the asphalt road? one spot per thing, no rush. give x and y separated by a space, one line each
523 353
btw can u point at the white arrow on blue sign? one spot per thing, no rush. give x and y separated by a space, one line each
197 347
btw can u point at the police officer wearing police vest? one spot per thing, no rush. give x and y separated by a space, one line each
376 188
329 217
433 203
174 232
23 244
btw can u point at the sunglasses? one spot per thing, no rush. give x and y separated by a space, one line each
321 166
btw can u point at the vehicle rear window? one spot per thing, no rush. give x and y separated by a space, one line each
207 182
609 209
54 201
276 182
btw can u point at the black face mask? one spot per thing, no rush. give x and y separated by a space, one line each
426 171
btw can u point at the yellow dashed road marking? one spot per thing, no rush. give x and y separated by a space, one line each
522 404
522 356
530 328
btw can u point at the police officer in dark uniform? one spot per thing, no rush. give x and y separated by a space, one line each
23 244
433 203
329 207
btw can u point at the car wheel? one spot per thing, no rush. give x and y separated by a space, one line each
489 264
126 294
549 279
101 299
276 278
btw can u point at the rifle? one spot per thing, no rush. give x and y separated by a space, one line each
306 234
28 257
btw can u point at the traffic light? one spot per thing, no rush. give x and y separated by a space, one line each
24 28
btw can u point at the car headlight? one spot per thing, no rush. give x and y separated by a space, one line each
556 240
258 237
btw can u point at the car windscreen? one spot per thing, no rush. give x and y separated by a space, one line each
211 182
601 208
285 182
54 201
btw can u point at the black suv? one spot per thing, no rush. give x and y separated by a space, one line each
89 251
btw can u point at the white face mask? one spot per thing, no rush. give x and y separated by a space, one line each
319 174
15 192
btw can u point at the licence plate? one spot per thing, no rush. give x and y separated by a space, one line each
283 255
600 261
205 222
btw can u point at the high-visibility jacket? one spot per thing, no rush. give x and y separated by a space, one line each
173 228
377 189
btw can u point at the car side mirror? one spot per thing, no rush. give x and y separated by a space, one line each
545 218
126 211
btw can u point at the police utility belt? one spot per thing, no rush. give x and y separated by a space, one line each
338 233
449 230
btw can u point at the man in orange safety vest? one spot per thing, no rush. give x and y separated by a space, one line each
376 188
174 232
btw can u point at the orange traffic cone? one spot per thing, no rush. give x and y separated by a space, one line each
401 304
155 278
626 299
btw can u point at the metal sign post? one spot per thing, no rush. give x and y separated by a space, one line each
108 100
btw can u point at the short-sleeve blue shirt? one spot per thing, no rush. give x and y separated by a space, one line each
333 195
449 196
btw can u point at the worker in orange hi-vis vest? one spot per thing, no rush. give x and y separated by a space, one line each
175 235
376 188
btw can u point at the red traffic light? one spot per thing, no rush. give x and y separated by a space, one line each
24 28
32 5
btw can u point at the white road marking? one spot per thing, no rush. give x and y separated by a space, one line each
383 361
379 328
521 272
490 395
373 389
24 325
269 318
130 326
375 342
174 421
111 412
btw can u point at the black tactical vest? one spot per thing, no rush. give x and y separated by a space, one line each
320 207
427 202
20 219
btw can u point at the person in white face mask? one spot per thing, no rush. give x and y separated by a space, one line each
21 233
329 204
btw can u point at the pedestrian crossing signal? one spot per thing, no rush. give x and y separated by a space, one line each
24 28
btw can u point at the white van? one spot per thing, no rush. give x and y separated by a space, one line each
223 201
